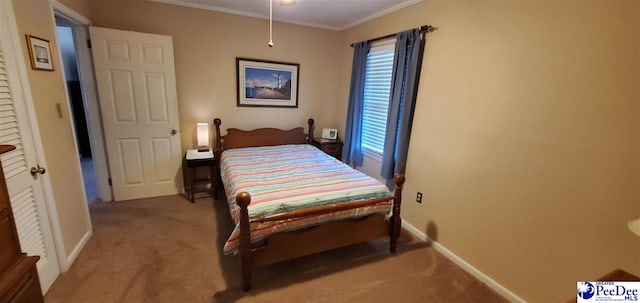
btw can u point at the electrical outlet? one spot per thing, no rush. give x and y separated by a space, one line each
419 197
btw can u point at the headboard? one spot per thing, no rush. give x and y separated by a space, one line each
237 138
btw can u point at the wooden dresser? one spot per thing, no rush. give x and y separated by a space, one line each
19 281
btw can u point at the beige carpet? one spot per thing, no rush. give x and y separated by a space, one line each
169 250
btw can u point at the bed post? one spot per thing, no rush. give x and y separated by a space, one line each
217 151
218 147
396 222
311 127
243 199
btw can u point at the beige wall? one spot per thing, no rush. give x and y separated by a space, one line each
47 88
206 45
525 141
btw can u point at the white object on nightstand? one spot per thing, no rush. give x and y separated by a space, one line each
202 136
194 154
634 226
329 133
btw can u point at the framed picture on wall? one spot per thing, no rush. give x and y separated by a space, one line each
267 83
40 53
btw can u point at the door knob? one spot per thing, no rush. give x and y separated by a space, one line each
174 132
38 170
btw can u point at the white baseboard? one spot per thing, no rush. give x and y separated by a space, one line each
497 287
76 251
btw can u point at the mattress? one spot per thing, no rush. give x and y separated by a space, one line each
290 177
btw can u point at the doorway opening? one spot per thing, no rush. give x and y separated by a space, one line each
72 32
79 117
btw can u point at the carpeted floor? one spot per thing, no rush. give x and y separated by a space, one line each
169 250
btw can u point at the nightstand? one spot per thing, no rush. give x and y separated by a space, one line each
192 160
332 147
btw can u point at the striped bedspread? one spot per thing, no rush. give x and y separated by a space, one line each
289 177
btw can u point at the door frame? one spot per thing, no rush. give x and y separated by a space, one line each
89 96
15 50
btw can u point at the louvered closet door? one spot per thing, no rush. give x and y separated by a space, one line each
25 190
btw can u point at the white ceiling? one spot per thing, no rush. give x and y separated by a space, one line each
328 14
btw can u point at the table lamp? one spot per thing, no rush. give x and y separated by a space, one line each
634 226
202 130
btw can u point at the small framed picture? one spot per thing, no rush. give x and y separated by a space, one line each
329 133
40 53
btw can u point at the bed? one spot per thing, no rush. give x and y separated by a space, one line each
288 199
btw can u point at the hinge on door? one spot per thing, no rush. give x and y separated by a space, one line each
110 183
89 43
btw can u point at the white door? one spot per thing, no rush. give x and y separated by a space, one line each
137 90
25 191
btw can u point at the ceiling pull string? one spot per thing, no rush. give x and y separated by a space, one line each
270 23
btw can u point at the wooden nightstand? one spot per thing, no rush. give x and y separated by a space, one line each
194 159
332 147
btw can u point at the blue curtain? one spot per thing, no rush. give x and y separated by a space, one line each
352 151
402 101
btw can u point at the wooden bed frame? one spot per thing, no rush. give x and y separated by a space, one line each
289 245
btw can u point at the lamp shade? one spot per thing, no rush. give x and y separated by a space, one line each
202 130
634 226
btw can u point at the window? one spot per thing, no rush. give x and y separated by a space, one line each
377 88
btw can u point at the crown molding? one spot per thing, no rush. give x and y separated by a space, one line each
286 20
382 13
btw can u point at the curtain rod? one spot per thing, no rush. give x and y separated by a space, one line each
423 29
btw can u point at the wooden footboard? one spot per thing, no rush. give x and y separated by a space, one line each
327 236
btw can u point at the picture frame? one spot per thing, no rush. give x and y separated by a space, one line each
329 133
264 83
39 53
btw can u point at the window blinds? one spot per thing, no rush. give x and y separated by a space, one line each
376 96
